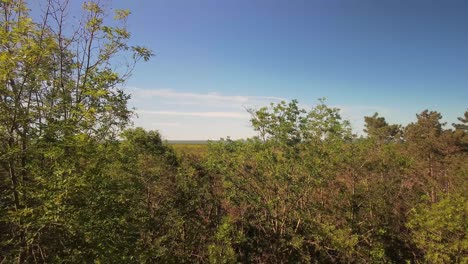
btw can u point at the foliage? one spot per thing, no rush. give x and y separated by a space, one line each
60 109
78 185
377 128
440 230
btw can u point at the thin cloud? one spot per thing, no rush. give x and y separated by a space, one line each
197 114
209 99
165 124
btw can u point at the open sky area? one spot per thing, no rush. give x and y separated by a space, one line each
216 58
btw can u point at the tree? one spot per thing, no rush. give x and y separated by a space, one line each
425 140
439 230
464 122
275 186
461 132
377 128
281 122
288 124
59 86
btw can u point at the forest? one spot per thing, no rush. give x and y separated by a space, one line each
80 184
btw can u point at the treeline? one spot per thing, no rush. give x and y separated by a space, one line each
78 186
306 191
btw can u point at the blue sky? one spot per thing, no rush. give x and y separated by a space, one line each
216 58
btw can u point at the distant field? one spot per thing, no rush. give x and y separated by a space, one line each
187 142
193 148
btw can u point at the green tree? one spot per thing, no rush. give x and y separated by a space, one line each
281 122
425 142
286 123
377 128
439 230
58 92
464 122
461 133
276 186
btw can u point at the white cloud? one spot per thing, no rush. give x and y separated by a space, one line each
161 124
192 116
214 99
196 114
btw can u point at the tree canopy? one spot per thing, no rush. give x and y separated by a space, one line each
79 184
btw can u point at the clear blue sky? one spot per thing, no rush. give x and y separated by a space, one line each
214 58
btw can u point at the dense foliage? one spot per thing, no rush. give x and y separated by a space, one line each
77 185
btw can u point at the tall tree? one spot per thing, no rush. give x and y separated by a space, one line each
425 140
58 85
